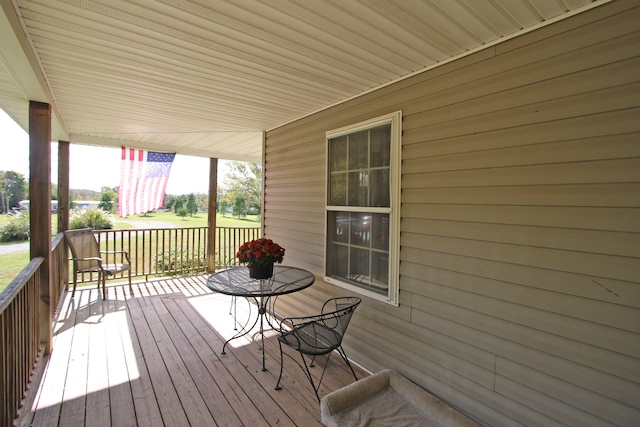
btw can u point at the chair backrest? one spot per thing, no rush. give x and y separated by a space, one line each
232 262
83 244
337 313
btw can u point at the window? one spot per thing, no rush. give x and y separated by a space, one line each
362 208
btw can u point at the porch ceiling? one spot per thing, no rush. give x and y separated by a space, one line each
206 78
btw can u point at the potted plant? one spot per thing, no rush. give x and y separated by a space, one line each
260 255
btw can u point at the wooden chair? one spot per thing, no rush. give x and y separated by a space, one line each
318 335
87 258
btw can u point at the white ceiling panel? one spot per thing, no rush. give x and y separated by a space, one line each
206 78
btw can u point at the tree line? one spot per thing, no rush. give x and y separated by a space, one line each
239 195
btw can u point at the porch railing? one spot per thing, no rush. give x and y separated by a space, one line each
158 251
19 326
59 269
168 251
20 340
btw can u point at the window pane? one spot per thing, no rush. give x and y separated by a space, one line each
359 265
380 146
359 150
358 189
338 226
380 231
380 191
338 154
338 264
338 189
379 272
361 229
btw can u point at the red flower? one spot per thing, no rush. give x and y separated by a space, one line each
260 251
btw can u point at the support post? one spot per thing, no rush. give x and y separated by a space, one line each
40 209
213 195
63 186
63 201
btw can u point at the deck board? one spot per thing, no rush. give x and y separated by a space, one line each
75 383
98 378
153 357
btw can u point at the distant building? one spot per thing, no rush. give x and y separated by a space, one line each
86 204
82 204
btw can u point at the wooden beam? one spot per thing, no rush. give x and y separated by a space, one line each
40 208
213 195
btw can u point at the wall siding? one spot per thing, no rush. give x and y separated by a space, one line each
520 225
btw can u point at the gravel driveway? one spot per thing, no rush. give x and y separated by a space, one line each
14 247
24 246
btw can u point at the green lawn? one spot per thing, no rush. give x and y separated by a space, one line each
198 220
11 264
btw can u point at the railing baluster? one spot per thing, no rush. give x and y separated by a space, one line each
164 251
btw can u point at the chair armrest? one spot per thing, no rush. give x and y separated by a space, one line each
126 254
87 259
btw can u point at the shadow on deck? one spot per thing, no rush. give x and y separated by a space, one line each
154 358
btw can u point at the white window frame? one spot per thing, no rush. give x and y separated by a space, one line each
395 119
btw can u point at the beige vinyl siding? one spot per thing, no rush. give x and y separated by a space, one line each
520 225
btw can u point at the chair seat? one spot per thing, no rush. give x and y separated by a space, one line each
109 268
116 268
317 335
312 338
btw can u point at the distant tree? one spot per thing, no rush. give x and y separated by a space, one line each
169 200
202 199
192 205
244 179
223 206
240 206
182 212
105 189
13 187
107 200
177 205
84 194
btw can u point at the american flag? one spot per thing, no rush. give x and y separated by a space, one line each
143 180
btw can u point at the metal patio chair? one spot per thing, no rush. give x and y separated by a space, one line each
87 258
318 335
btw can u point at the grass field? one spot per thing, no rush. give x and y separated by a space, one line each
12 263
198 220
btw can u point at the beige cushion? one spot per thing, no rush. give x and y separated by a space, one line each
388 399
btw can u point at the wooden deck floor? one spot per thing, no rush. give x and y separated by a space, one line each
154 358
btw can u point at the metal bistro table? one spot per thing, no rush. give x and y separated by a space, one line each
235 281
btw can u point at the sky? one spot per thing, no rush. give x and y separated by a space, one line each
95 167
